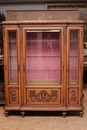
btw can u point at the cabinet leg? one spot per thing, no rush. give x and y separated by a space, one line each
6 113
23 113
81 113
64 114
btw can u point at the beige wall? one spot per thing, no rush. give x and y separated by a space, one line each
4 8
42 15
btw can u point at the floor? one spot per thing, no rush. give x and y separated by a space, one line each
44 120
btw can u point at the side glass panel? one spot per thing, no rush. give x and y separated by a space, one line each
73 61
12 56
43 63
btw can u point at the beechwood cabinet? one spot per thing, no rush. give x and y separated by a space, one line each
43 66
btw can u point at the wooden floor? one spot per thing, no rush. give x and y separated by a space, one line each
44 120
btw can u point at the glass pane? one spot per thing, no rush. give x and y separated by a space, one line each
43 56
73 62
12 56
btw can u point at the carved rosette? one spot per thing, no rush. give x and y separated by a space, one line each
13 95
73 96
43 96
64 34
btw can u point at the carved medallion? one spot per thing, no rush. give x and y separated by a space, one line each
73 96
43 96
13 95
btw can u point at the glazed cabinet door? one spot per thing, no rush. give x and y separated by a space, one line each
12 66
43 66
74 67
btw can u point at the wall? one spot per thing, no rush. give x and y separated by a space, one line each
3 8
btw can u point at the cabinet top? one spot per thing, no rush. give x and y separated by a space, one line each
43 22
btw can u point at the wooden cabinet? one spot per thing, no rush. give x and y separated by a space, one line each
43 63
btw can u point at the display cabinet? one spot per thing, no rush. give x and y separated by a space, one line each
43 65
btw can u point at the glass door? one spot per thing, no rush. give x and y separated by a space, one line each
43 82
12 65
74 64
43 57
74 57
12 57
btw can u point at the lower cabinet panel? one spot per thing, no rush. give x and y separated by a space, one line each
73 96
13 95
43 96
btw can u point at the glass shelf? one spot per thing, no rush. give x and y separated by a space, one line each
42 70
43 56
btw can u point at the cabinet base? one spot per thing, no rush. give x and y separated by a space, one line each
64 110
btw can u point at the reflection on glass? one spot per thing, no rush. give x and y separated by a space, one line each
73 65
43 56
12 56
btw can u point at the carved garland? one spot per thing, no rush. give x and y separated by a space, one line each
43 96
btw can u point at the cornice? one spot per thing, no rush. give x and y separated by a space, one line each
42 22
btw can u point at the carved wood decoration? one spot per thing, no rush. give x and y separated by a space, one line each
66 6
13 95
64 34
21 35
73 96
43 96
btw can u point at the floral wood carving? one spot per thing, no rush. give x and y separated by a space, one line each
43 96
13 95
73 97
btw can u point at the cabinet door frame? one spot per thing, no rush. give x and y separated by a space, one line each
75 89
12 90
60 86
